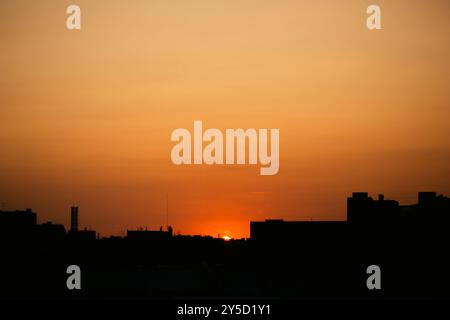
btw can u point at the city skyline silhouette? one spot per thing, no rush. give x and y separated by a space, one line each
281 259
393 211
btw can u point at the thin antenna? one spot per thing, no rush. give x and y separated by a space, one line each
167 211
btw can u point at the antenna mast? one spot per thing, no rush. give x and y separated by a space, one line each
167 211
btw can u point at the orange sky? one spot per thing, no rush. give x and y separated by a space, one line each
86 116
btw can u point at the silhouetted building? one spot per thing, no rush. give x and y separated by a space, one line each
21 225
363 209
363 213
16 221
149 235
50 232
83 235
278 229
79 235
431 208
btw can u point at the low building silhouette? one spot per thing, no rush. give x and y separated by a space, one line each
83 235
50 232
149 235
17 219
273 230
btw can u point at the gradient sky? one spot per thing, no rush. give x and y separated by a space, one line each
86 116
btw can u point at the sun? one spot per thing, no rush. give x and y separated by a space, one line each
226 238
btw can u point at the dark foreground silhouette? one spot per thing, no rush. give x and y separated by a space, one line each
295 260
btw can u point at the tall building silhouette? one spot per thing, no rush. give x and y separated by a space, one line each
430 209
17 225
362 209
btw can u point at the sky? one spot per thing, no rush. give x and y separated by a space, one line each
86 115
